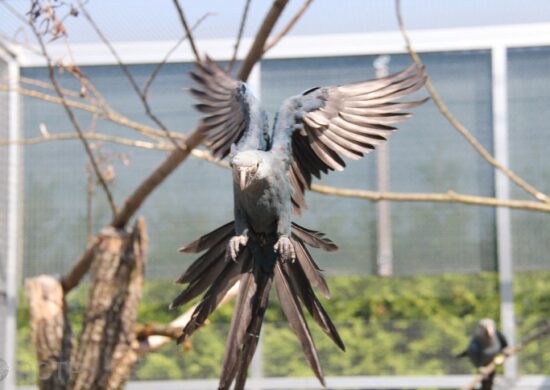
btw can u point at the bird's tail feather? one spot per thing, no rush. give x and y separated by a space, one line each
245 330
295 316
212 275
461 354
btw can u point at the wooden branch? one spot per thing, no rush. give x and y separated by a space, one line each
486 371
187 31
107 343
239 36
520 182
156 341
80 267
45 85
256 51
74 121
201 154
143 332
288 26
449 197
110 115
91 137
50 330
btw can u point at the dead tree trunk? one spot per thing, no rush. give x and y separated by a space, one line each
51 331
107 346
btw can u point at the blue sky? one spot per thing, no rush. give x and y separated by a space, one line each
131 20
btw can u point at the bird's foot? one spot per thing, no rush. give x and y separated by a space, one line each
234 246
285 248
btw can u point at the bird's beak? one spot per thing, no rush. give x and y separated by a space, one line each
243 178
490 332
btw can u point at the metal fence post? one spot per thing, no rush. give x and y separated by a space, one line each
12 227
502 190
384 260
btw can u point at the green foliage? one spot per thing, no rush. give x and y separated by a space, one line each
391 326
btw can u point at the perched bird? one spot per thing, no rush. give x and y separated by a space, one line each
272 168
486 343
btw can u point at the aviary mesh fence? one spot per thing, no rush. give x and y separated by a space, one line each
444 255
4 158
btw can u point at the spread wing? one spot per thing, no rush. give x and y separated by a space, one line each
323 125
232 114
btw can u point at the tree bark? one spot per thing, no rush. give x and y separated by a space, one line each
51 331
107 345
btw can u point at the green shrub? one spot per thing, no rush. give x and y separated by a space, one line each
391 326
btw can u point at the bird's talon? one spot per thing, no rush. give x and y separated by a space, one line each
234 247
285 248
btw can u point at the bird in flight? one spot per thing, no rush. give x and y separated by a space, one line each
486 343
272 168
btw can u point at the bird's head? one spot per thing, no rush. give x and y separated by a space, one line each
247 168
486 329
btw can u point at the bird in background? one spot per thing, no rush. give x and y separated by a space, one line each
272 167
486 343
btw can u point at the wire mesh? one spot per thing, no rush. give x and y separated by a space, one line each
439 250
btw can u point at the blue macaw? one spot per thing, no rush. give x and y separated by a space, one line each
272 168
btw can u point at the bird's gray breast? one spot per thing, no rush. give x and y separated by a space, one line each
263 203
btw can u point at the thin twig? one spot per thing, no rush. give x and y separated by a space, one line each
127 73
91 137
256 50
520 182
200 154
187 31
110 114
239 36
498 360
159 66
45 85
288 26
74 121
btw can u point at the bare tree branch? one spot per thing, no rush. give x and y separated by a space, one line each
201 154
159 66
156 341
110 114
187 31
239 36
288 26
487 370
521 183
449 197
80 267
45 85
72 118
256 51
